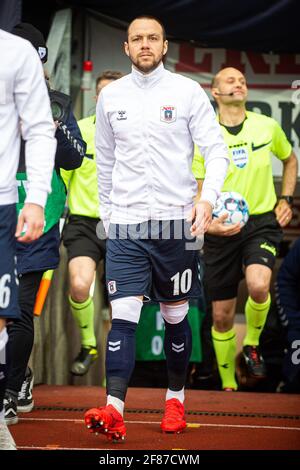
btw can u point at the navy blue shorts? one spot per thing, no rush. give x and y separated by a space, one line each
9 307
155 259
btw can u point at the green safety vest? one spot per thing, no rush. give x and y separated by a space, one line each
82 184
250 169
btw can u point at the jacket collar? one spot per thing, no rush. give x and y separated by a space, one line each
147 80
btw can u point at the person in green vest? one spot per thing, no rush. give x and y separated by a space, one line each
230 251
85 249
34 258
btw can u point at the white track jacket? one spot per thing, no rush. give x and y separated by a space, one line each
146 126
24 110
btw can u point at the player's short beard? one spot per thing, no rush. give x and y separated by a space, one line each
149 67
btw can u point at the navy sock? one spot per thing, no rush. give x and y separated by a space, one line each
120 357
178 348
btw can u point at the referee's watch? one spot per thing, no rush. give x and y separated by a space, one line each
288 199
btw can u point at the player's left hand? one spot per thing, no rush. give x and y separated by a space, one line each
201 216
31 217
283 213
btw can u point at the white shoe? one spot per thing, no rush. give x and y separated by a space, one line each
6 440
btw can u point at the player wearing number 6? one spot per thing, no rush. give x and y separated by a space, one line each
24 110
146 126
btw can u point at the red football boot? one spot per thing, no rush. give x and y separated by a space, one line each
106 420
173 419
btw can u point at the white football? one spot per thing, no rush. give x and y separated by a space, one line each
234 205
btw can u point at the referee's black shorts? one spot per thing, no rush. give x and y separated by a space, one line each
226 257
80 238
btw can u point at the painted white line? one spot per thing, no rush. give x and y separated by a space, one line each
249 426
201 425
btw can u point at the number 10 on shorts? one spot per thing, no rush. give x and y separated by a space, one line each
182 283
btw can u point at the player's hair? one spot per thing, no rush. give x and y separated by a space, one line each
149 17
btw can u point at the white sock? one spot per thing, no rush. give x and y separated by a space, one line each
2 415
179 395
3 341
116 402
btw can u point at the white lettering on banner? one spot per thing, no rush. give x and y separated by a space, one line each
296 94
260 68
271 80
156 345
160 324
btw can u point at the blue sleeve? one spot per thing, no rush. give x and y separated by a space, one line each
288 285
71 147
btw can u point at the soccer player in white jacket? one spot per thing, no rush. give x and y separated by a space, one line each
146 126
24 110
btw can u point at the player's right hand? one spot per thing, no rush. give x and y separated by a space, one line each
217 227
33 216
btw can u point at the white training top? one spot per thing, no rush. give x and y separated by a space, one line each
146 126
24 110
